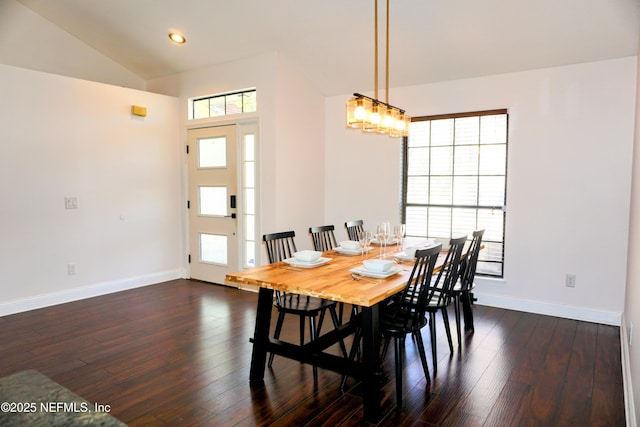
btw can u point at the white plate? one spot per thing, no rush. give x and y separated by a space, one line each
390 241
378 275
404 257
344 251
303 264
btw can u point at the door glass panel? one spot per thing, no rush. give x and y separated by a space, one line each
212 152
249 175
249 201
249 150
213 248
213 201
250 251
250 228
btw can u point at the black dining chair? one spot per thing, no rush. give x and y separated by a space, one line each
462 290
323 237
354 228
407 314
281 246
441 293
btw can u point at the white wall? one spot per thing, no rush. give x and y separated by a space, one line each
300 154
569 179
27 40
65 137
631 323
291 121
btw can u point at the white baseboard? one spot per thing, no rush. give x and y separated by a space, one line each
629 403
60 297
549 309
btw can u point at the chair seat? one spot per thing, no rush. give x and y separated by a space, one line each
433 305
401 324
302 305
436 302
458 288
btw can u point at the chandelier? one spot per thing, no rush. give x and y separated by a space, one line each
371 114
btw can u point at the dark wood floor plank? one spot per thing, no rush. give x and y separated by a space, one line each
506 409
608 396
548 376
576 400
178 353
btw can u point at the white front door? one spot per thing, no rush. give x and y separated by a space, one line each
213 225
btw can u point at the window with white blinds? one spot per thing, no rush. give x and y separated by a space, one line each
454 180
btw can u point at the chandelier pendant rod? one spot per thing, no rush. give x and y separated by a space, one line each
386 86
375 56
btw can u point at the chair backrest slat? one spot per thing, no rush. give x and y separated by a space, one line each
354 228
323 237
280 246
442 286
468 273
411 305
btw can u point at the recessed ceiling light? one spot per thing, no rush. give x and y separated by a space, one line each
177 38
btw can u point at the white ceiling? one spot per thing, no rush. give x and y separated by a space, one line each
332 40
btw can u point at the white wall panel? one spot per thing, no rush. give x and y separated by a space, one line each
64 137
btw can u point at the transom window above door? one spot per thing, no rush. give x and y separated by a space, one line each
223 104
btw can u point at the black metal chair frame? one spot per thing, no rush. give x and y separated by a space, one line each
281 246
441 294
324 239
354 228
462 290
407 314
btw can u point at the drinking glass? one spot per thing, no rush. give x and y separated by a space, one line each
383 236
400 232
364 237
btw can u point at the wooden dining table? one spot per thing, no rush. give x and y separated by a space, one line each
332 281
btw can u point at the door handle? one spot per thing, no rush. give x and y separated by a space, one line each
233 215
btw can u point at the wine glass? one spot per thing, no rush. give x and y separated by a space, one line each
400 232
383 236
364 237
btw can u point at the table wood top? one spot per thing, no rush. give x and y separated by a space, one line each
331 281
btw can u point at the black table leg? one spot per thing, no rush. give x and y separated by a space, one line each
261 337
370 359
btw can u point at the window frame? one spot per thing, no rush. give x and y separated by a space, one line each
405 177
224 96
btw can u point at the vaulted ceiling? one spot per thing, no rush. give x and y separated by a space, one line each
331 41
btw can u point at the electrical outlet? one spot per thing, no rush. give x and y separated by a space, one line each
570 281
71 269
71 203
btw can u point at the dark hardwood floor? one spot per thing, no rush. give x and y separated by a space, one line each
178 353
